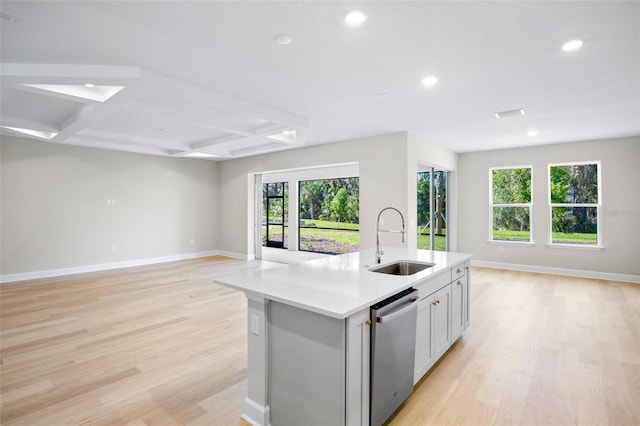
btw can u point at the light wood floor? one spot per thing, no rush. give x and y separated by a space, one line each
162 345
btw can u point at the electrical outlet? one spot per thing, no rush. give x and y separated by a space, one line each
191 242
114 249
255 325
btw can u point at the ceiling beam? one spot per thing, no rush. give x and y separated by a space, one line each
117 138
217 141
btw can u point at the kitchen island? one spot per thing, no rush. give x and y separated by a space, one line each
308 331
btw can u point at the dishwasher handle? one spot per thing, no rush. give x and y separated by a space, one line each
397 312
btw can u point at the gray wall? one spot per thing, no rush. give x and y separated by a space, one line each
620 172
55 213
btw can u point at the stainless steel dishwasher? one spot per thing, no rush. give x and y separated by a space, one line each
393 344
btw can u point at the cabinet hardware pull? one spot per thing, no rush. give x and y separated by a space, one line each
435 302
458 283
368 322
458 270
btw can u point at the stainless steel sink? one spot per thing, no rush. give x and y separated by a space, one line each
402 267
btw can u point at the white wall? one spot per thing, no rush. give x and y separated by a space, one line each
55 213
620 202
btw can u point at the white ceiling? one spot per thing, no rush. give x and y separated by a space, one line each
207 76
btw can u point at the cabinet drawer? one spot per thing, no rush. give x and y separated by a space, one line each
433 284
458 271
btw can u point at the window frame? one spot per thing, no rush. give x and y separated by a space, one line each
597 205
528 205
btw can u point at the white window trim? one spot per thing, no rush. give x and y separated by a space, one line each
530 242
598 206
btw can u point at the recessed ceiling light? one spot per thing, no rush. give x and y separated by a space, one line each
382 95
355 18
510 113
429 80
283 39
572 45
532 133
89 85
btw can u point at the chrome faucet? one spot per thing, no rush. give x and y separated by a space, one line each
379 251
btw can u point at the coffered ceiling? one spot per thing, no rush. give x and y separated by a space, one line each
218 78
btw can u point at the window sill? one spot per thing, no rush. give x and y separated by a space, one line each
512 243
575 246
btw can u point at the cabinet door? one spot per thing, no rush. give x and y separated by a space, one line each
424 344
467 301
441 307
458 307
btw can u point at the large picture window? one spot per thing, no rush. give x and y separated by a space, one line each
329 215
574 203
510 204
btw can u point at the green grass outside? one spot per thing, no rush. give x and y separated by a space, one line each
340 237
574 238
337 233
328 224
508 235
558 237
424 242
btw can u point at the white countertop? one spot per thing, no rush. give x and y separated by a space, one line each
339 286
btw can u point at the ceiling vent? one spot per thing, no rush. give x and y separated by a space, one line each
510 113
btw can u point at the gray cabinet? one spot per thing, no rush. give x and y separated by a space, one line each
443 315
441 321
424 345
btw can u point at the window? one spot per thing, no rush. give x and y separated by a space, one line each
510 204
432 215
275 198
329 212
574 203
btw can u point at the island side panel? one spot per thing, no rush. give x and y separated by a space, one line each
306 367
256 405
358 368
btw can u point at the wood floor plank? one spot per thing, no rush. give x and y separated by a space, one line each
162 345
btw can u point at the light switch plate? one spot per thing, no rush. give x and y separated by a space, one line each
255 324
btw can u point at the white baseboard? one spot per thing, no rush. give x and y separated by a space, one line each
558 271
112 265
254 413
234 255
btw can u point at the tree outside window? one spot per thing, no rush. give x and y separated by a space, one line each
329 213
574 203
510 204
